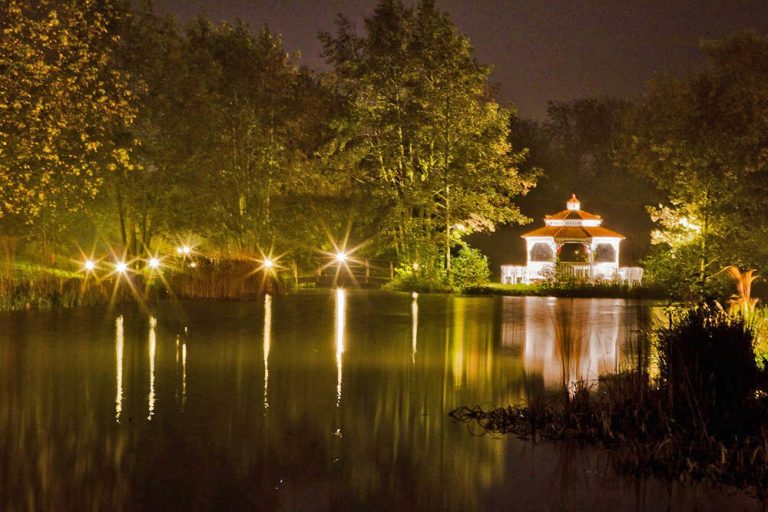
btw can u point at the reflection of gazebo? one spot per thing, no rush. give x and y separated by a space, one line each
572 243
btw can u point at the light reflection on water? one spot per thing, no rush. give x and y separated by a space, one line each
267 343
72 441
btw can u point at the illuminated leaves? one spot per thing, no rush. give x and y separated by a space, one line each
62 103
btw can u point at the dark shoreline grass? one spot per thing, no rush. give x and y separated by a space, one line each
569 290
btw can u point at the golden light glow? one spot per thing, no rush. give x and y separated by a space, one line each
89 265
268 263
152 349
267 343
154 263
341 299
183 375
121 267
119 344
414 325
341 257
688 224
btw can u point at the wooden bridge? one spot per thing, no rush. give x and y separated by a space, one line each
362 273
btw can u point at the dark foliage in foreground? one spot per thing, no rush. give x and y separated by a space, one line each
701 420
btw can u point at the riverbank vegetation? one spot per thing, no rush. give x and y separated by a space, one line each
693 407
213 135
126 135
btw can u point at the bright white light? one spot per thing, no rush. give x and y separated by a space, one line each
193 265
121 267
89 265
341 257
185 249
154 263
414 295
415 266
179 250
268 263
689 225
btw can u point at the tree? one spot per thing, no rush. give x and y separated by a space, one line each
62 106
699 141
429 143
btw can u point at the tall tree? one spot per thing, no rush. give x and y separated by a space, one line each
62 108
430 143
702 141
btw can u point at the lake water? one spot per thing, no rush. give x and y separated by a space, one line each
319 401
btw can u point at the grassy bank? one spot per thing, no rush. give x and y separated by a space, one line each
586 290
698 412
28 286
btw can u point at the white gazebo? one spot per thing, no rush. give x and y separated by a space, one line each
572 243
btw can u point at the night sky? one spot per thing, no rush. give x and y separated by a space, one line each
539 50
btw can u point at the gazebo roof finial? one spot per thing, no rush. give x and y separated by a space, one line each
573 203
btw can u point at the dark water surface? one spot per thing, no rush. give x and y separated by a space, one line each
321 401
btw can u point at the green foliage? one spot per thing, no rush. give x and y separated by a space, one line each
470 268
696 140
63 104
420 131
409 279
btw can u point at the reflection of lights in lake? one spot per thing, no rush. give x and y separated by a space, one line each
340 321
414 325
152 349
183 374
267 342
119 343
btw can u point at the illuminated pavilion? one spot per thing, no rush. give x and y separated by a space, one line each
572 243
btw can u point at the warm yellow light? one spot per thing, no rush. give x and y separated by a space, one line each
341 257
89 265
179 250
686 223
415 266
193 265
121 267
268 263
154 263
184 249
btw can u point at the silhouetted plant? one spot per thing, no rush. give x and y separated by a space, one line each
707 367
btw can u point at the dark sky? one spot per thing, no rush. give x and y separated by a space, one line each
540 50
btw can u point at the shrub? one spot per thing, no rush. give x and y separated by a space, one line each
420 279
469 268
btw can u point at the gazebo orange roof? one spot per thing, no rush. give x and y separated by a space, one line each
574 224
573 232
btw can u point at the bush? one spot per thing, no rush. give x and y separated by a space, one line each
469 268
420 279
707 367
